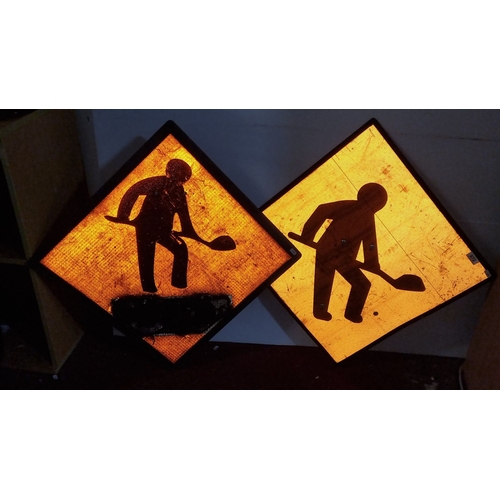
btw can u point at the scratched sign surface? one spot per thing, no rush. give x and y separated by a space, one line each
376 250
171 248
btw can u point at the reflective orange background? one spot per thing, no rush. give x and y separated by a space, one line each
413 238
99 257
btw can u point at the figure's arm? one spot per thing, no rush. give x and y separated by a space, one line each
370 248
187 228
127 203
314 223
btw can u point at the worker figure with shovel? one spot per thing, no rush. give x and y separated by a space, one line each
352 224
164 197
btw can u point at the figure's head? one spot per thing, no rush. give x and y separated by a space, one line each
374 195
178 171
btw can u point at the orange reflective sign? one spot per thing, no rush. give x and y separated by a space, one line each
174 250
376 250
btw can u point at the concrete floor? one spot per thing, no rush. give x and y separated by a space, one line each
105 361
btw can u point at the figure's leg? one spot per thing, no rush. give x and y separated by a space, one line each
180 265
146 256
360 286
323 282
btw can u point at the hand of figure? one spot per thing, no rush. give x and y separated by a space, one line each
119 220
372 266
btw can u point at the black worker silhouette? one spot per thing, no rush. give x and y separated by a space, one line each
352 225
164 197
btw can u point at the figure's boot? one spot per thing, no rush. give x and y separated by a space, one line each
149 287
319 312
357 298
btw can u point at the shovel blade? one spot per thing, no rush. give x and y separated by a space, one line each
223 243
409 282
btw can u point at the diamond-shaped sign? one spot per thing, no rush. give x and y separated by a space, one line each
172 249
377 252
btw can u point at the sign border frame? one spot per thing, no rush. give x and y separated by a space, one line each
374 122
67 224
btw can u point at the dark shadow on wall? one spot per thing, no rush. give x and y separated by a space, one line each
98 174
285 319
117 162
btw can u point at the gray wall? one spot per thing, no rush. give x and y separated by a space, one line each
456 152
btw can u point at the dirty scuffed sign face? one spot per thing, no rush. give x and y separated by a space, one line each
173 249
377 251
